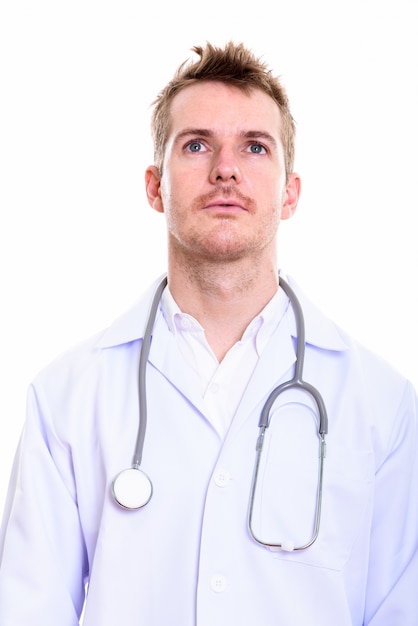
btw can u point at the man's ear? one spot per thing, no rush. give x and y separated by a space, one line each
291 196
153 188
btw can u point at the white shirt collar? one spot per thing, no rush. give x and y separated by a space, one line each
261 327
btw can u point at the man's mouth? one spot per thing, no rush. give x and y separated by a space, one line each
221 204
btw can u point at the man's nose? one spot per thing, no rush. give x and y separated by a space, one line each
225 167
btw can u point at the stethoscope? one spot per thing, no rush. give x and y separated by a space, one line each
132 488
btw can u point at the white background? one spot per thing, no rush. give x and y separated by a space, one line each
78 241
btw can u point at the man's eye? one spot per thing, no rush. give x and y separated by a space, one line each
194 146
257 148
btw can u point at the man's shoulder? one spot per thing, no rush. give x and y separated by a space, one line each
126 329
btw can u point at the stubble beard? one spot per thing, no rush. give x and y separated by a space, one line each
224 241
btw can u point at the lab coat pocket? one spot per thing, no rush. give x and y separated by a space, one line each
286 495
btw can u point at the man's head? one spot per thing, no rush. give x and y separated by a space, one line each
234 65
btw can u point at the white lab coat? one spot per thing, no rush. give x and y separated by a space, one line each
187 558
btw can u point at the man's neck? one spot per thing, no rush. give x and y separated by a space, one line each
223 299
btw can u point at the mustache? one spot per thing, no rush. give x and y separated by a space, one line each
227 192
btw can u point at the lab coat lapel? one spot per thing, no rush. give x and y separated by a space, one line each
278 357
167 358
274 365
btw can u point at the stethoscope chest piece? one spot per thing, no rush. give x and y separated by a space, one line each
132 488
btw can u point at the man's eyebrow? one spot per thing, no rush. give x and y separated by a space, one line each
205 132
195 132
259 134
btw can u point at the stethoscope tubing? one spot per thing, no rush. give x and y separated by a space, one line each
296 382
142 386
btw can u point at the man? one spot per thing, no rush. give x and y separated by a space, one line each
203 551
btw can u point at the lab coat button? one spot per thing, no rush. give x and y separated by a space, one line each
222 478
218 583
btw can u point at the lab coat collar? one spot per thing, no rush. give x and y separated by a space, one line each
320 331
130 326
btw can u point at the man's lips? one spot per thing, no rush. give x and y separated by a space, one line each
225 200
225 205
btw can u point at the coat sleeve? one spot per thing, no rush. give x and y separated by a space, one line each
43 561
392 594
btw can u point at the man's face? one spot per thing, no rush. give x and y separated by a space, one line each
223 187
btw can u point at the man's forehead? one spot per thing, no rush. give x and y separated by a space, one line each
213 104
